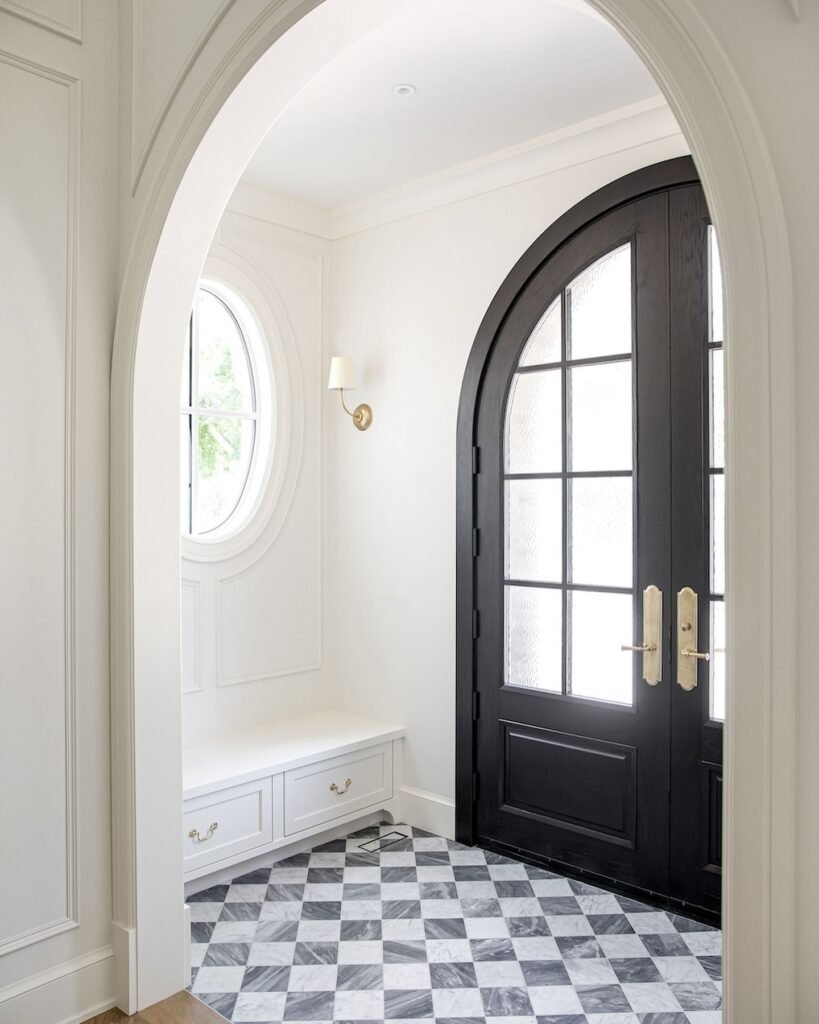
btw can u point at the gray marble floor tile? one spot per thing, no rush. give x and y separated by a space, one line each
479 907
401 908
636 969
506 1002
409 951
545 972
266 979
222 1002
284 891
571 946
610 924
271 931
240 911
444 928
697 995
603 999
321 911
201 931
453 975
316 953
226 954
523 926
361 930
309 1006
554 905
215 894
357 977
492 949
427 929
407 1003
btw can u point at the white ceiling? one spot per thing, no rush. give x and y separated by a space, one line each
489 74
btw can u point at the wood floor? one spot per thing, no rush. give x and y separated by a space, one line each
183 1008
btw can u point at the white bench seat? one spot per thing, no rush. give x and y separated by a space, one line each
261 789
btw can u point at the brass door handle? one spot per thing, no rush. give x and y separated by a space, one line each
652 636
688 652
340 792
195 833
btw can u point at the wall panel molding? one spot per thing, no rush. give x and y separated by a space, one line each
195 587
222 679
140 153
70 918
230 260
70 27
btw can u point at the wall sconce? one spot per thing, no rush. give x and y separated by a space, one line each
342 378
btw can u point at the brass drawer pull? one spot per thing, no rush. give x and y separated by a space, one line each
194 833
340 792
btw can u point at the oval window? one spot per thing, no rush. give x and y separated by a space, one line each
220 419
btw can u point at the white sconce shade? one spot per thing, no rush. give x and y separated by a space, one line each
342 375
342 378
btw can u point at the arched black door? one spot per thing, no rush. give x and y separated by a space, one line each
590 520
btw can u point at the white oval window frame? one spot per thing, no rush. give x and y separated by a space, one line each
252 301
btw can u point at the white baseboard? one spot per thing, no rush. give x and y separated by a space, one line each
429 811
67 994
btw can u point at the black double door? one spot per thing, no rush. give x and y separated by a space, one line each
597 509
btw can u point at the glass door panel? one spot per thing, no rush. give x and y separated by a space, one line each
534 530
599 400
534 423
596 666
599 301
569 492
599 549
534 638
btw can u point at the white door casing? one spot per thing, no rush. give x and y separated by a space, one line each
201 152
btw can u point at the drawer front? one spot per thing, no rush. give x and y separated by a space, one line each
227 822
330 789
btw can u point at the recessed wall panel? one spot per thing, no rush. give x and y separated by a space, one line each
36 267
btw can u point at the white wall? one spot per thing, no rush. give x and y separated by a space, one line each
252 637
408 297
58 80
760 56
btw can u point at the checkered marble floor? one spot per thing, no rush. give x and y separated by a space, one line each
427 929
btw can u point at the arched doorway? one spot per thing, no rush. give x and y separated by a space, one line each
232 114
596 762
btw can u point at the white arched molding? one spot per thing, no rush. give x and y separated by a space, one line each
278 369
218 117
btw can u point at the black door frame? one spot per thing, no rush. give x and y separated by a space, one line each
637 185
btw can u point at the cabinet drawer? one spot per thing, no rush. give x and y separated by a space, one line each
330 789
243 820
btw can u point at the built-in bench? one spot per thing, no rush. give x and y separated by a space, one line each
249 792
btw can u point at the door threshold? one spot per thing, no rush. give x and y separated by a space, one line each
650 898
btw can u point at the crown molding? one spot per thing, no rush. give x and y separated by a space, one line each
617 131
262 203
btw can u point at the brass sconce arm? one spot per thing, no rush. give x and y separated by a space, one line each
362 415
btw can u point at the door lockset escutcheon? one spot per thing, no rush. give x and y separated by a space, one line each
651 647
687 654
